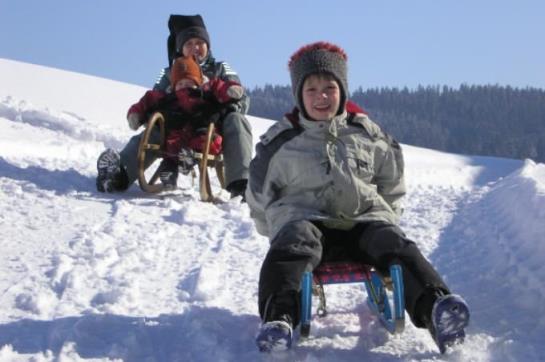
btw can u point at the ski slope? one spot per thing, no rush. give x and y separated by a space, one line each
139 277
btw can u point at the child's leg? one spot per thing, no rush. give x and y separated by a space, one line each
381 245
237 147
297 248
129 155
174 141
168 173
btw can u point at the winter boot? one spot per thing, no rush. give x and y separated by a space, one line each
168 174
276 332
449 317
111 176
238 188
275 336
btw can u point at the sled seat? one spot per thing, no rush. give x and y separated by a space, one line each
391 313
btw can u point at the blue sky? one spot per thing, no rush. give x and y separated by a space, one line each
389 43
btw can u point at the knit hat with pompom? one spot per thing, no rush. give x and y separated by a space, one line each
318 58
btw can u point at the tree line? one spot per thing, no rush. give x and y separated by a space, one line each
488 120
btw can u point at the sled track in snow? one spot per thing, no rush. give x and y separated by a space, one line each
487 244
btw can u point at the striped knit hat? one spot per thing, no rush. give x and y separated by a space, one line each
318 58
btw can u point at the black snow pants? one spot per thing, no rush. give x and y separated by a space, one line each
301 245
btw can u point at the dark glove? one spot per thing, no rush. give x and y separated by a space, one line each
135 121
196 92
209 96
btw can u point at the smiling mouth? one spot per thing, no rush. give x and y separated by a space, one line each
322 108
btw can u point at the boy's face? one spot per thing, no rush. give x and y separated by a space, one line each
195 47
321 97
185 83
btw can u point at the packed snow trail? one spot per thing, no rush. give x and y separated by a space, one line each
168 278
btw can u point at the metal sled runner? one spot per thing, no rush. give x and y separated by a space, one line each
389 310
149 149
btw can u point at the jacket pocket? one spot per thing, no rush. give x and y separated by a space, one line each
360 164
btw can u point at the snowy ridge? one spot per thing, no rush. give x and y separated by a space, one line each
500 230
91 276
58 123
99 100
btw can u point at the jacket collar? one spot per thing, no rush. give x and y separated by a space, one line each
312 124
351 108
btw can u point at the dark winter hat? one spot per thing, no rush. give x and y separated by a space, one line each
186 27
186 67
318 58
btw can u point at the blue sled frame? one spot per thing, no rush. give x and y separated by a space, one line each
391 313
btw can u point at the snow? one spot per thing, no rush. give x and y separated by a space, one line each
99 277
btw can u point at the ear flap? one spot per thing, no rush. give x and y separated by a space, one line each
176 23
171 48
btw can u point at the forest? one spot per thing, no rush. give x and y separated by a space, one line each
487 120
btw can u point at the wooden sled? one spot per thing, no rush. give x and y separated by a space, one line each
149 150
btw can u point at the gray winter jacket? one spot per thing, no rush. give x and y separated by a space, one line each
340 172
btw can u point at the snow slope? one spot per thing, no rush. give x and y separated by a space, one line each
91 276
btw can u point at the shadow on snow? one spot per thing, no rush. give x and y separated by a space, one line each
200 334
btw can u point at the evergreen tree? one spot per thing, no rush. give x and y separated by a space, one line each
489 120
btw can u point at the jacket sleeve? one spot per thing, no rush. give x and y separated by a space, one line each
163 80
267 177
224 91
226 73
389 176
147 103
259 193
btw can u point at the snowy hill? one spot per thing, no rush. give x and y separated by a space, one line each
91 276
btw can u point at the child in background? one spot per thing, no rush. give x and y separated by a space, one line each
192 104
